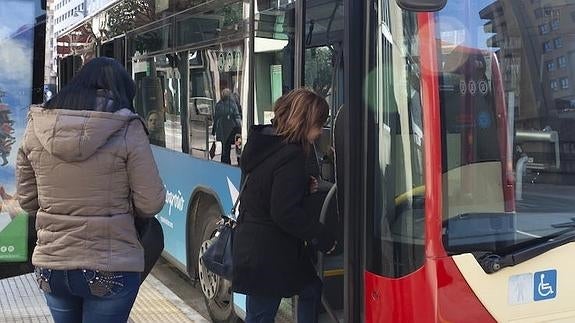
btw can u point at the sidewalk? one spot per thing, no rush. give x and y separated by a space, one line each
22 302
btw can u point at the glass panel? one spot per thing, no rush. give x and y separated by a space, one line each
215 102
323 69
184 4
507 111
323 72
225 21
324 22
319 69
395 182
324 53
155 39
274 56
158 88
114 49
128 15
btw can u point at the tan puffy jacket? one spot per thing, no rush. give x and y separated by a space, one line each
84 172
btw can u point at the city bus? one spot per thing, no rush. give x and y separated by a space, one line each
22 50
447 149
488 227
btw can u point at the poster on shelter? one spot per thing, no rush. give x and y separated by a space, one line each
18 19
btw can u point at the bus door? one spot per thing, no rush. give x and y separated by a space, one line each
323 71
393 234
322 56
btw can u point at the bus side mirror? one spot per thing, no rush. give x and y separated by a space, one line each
422 5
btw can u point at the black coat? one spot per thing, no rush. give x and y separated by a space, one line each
269 254
227 119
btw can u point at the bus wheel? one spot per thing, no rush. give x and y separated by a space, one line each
217 290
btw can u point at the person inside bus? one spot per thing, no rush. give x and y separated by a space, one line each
86 169
155 128
269 256
227 123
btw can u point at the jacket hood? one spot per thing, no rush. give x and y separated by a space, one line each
73 135
262 142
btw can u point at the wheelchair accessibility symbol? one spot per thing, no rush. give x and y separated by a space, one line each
544 285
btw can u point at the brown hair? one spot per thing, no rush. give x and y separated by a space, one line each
297 112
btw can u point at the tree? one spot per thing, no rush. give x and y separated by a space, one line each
319 69
129 14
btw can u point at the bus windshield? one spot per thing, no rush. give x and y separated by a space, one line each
507 106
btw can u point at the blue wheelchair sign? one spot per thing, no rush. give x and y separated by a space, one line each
544 285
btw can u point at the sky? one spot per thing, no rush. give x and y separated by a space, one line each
464 15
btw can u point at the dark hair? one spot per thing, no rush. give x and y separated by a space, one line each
102 84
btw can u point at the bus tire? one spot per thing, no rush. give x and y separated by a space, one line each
216 290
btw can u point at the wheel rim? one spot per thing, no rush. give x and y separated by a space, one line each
209 281
216 289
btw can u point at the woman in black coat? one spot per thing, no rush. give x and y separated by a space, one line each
269 256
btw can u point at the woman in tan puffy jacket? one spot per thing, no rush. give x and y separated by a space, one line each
86 170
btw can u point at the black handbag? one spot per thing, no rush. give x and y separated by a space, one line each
212 150
151 237
218 257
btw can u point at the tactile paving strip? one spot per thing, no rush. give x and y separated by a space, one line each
22 302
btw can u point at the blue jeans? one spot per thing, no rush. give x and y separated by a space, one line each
89 296
261 309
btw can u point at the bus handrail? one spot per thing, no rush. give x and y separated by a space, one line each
322 216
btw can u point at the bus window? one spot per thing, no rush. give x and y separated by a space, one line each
274 50
507 109
323 71
395 183
213 72
158 90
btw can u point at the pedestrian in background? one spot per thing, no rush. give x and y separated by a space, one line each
269 254
227 123
86 170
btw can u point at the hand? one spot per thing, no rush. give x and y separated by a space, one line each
332 248
313 185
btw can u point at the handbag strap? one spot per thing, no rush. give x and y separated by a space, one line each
239 196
